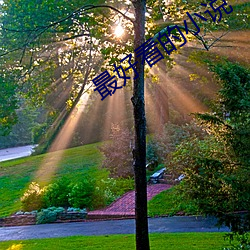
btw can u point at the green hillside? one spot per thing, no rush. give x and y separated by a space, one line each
16 175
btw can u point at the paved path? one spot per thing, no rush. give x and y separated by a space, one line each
125 206
156 225
14 153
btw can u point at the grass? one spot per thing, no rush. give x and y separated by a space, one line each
169 203
16 175
170 241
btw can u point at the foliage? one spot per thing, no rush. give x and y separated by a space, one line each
95 191
73 209
48 215
243 242
33 197
56 194
22 132
118 154
108 190
8 105
81 194
103 193
216 168
166 141
152 156
239 18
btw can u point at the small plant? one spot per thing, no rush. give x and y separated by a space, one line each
48 215
109 189
33 197
76 210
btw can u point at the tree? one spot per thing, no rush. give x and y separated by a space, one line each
139 151
8 105
217 168
118 156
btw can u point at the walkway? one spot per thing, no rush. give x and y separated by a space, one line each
124 207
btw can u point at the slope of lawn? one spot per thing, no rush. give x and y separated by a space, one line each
16 175
170 203
172 241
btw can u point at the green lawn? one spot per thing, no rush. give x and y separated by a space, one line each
169 202
16 175
170 241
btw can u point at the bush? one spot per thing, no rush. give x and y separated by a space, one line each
33 198
38 131
57 193
81 194
103 194
48 215
109 189
216 168
243 242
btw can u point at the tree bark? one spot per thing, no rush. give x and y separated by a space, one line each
139 151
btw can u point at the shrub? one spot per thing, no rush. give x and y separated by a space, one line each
81 194
109 189
243 242
48 215
73 209
103 195
56 194
33 197
123 185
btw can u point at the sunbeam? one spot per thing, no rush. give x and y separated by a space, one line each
51 161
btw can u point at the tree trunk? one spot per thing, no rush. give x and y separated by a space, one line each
139 151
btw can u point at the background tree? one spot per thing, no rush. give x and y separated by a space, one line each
118 155
217 168
8 105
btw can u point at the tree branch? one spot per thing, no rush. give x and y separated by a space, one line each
200 38
183 28
42 29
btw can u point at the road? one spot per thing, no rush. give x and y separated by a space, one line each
156 225
14 153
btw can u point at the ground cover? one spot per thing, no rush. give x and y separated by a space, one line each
170 241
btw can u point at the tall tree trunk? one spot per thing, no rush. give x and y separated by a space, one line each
139 151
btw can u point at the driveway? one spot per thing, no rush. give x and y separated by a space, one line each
156 225
14 153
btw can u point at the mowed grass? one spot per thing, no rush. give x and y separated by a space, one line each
169 202
16 175
170 241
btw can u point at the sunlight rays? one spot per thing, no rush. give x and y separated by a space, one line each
171 93
114 113
51 161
